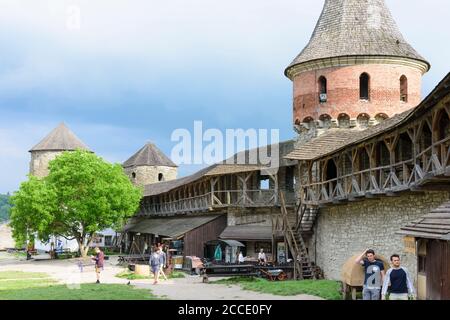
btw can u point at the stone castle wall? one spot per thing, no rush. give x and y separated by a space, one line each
150 174
345 230
39 162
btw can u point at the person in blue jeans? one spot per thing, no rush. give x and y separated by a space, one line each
373 274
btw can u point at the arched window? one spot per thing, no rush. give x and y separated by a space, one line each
381 117
363 120
160 177
308 120
133 175
344 120
322 89
364 83
403 89
326 120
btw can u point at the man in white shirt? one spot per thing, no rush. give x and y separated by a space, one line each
262 257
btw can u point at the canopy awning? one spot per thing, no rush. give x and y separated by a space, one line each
247 233
172 227
230 243
434 225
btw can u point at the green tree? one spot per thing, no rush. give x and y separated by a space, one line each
81 196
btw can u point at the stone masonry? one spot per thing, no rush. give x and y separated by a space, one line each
345 230
143 175
39 162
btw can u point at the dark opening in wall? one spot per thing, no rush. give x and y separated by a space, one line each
133 175
404 149
322 89
403 89
160 177
364 86
331 170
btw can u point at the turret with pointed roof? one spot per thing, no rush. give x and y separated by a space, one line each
150 165
58 140
357 68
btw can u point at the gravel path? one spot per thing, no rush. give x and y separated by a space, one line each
188 288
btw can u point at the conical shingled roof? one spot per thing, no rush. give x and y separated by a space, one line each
60 139
149 155
356 28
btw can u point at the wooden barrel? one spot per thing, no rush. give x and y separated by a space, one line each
142 270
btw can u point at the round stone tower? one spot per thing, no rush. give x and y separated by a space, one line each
150 165
59 140
356 70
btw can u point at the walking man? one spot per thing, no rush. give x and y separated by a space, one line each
164 262
373 274
99 262
398 282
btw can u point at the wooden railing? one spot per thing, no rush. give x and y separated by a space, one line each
218 199
431 162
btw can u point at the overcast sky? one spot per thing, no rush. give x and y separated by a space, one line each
135 70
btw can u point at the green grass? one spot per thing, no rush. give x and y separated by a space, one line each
21 275
37 286
327 289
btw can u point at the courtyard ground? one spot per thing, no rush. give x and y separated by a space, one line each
65 274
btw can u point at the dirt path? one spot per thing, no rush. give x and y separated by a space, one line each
189 288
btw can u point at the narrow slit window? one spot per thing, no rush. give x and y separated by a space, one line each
364 80
404 89
323 89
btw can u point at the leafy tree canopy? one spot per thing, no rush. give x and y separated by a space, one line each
82 195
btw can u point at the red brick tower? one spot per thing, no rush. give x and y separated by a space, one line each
356 70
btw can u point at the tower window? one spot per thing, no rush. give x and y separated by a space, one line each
364 80
323 89
160 177
403 89
133 175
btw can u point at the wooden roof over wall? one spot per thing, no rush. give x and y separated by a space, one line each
435 225
225 167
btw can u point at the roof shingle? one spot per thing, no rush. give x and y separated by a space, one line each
149 155
60 139
356 28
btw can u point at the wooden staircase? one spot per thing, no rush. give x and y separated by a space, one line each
296 244
306 218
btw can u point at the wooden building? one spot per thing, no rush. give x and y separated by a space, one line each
230 200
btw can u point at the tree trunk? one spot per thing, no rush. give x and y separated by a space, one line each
83 245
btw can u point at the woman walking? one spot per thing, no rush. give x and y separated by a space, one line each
155 264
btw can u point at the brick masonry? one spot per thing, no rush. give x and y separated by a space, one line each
343 91
345 230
